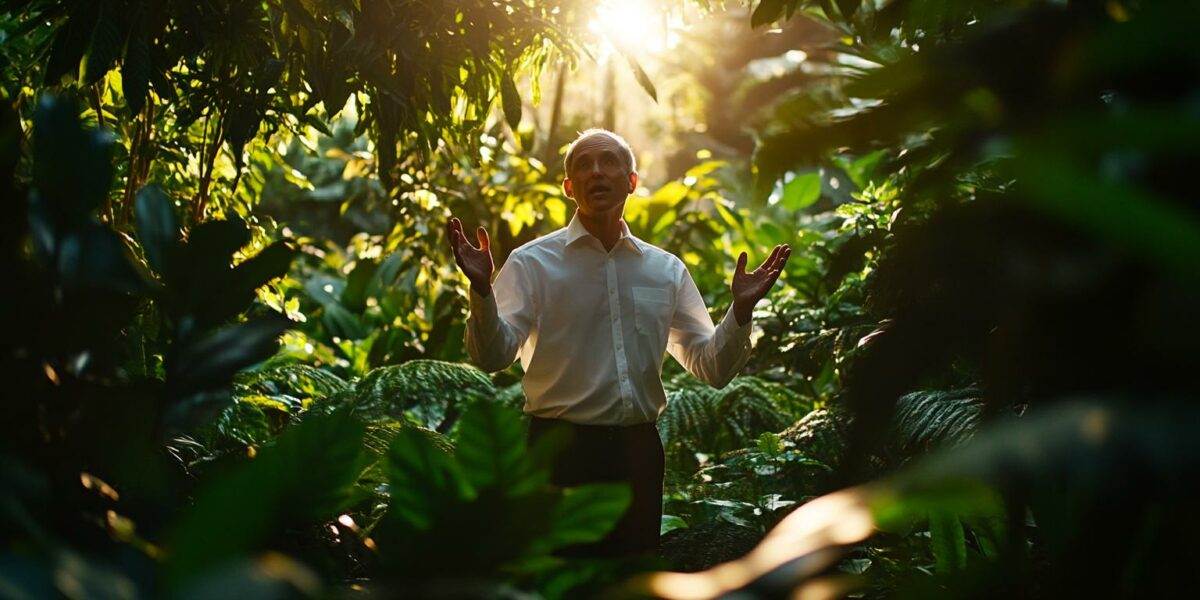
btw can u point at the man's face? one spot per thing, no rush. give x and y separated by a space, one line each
600 178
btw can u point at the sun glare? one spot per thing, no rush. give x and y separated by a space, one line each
633 25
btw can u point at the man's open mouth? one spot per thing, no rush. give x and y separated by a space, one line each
599 189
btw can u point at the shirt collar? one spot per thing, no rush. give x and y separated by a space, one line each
576 231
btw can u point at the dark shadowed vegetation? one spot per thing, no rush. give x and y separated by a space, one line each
233 344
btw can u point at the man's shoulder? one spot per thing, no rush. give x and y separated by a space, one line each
551 242
658 254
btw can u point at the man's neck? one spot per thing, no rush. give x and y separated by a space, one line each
606 227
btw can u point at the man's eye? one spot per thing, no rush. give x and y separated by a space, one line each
609 161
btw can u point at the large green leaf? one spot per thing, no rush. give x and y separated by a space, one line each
424 480
585 514
249 275
93 256
72 167
104 47
949 541
491 450
511 100
70 42
802 190
305 477
207 254
767 12
157 226
135 73
210 362
342 323
354 296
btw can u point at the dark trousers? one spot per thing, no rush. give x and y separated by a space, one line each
613 453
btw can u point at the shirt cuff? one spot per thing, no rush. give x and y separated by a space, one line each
484 313
728 330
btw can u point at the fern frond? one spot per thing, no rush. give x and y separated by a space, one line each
289 383
685 425
701 419
428 392
931 419
512 396
821 435
748 407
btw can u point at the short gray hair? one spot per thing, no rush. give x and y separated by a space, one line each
593 132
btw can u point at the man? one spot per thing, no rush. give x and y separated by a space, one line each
590 310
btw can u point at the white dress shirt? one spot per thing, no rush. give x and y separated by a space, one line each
591 326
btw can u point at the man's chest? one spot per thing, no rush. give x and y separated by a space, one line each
594 284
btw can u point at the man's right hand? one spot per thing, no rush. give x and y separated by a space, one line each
476 263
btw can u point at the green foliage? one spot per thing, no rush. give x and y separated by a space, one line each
294 386
430 393
955 219
489 506
822 434
949 542
699 419
925 421
242 424
379 280
318 461
946 278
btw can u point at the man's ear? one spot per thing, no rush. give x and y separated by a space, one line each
567 188
632 182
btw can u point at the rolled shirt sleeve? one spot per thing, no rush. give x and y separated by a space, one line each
499 324
714 354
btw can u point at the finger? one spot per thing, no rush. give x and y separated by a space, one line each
457 255
485 243
451 234
741 264
769 263
778 256
459 237
465 243
456 245
787 253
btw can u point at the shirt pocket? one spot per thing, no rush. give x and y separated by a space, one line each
652 315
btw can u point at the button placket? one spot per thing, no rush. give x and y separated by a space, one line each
614 304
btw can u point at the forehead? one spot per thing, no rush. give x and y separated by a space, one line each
596 144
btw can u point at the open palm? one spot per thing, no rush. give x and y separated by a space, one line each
749 288
476 263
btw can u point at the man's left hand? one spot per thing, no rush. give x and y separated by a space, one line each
749 288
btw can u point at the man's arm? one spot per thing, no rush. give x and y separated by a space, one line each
499 323
713 354
501 313
716 354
